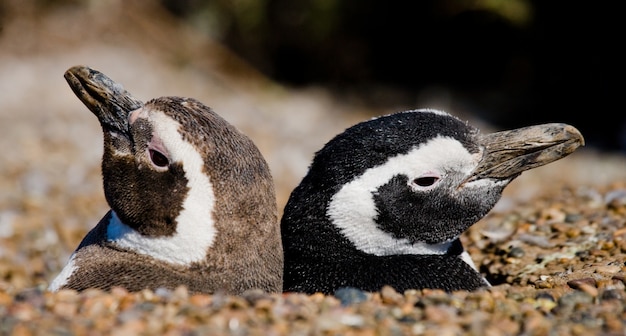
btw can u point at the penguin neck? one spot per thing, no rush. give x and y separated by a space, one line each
383 244
182 248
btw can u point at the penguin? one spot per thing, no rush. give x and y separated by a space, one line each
386 201
192 199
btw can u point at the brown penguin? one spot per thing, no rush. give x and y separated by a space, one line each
192 199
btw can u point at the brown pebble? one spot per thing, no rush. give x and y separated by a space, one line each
65 309
390 296
101 305
619 232
589 289
608 269
21 330
440 314
576 283
200 300
553 215
619 277
607 245
132 327
573 232
544 282
5 299
119 292
614 324
23 312
560 227
67 295
317 297
535 321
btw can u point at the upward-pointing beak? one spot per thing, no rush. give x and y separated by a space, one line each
508 153
108 100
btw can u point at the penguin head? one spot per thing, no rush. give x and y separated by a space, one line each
412 181
178 154
177 175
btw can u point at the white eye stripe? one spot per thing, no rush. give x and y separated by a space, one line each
353 210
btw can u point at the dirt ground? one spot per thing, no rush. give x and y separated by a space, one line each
553 246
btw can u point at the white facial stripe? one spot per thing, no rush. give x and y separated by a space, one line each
352 209
195 231
61 278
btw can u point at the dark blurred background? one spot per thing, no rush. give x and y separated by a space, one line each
511 62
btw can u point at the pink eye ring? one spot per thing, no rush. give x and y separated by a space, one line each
158 159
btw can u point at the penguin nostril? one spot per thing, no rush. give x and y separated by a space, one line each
158 159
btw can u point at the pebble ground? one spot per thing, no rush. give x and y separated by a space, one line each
554 247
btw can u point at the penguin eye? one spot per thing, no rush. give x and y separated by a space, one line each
158 159
425 182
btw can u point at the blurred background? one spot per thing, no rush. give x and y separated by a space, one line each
511 62
290 74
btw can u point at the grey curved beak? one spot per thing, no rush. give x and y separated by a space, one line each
508 153
108 100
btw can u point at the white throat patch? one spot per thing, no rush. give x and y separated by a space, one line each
195 230
61 279
353 210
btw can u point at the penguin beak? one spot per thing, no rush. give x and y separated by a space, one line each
507 154
108 100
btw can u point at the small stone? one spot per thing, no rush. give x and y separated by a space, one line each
615 198
619 277
542 284
516 252
569 300
611 294
253 295
583 254
5 299
619 232
573 218
23 312
560 227
545 296
536 240
440 314
499 231
553 215
350 295
576 283
573 232
608 269
65 309
607 245
537 322
591 290
390 296
511 260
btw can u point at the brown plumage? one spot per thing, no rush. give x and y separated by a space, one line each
192 199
